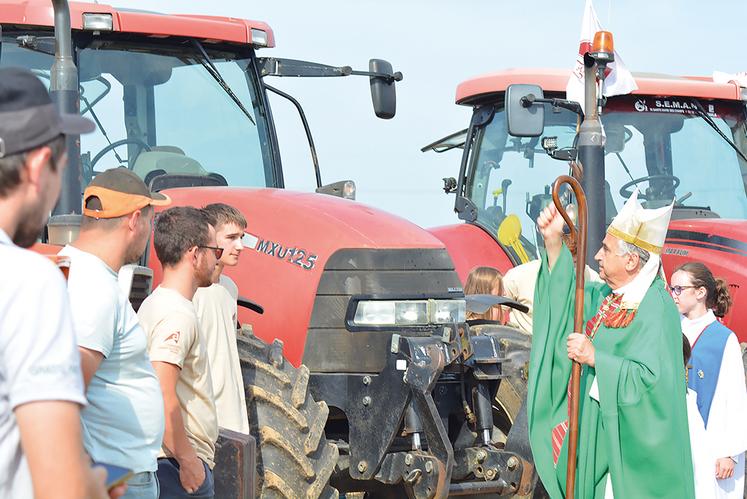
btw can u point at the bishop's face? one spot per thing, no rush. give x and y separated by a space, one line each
615 269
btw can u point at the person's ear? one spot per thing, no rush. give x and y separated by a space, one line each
36 161
632 261
134 220
701 293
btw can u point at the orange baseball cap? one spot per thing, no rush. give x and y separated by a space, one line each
120 192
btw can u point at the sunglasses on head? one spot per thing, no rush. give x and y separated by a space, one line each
677 290
218 251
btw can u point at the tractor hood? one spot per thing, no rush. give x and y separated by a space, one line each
721 234
289 239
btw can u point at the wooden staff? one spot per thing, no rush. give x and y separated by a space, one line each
579 236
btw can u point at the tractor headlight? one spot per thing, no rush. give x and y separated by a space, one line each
399 313
446 311
98 21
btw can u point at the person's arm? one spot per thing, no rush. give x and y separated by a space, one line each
726 419
550 225
90 360
191 470
45 389
58 465
94 313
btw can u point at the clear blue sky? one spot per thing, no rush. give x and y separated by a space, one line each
436 44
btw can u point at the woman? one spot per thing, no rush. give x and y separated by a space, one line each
716 372
485 281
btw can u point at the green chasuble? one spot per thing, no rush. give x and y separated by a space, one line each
637 430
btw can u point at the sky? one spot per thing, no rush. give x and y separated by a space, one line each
437 44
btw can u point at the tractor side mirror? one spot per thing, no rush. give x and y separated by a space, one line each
383 94
524 116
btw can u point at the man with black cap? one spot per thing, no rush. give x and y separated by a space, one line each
123 422
41 390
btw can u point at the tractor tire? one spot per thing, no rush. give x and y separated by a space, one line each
294 458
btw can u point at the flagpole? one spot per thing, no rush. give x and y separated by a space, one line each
579 236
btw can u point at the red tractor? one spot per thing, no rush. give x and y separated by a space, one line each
374 382
675 138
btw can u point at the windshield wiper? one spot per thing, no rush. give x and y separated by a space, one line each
207 63
702 113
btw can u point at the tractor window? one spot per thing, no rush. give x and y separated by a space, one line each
158 110
684 157
163 113
509 179
662 146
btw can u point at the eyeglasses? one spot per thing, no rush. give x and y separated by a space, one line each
218 251
677 290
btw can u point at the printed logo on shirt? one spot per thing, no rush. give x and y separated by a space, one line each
173 336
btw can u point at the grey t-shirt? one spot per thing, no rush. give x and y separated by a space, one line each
39 359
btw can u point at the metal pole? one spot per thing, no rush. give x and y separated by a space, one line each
591 157
579 235
63 89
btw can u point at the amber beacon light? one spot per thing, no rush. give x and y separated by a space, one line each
603 47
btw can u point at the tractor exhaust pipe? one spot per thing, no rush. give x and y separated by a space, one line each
63 89
591 156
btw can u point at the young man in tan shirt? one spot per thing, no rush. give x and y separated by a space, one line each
217 312
185 244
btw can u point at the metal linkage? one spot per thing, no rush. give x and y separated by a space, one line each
377 406
421 473
495 471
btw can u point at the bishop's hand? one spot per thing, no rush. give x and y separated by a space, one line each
550 225
580 349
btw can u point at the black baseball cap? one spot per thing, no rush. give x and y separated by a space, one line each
28 117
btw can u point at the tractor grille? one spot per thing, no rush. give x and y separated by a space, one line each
373 273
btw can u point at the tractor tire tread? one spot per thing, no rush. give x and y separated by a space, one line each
294 458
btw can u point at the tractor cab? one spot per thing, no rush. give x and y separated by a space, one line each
689 149
178 113
680 140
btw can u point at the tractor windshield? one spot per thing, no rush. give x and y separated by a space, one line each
662 146
160 110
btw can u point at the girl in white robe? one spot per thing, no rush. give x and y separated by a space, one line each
700 298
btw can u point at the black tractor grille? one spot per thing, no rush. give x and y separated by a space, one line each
379 273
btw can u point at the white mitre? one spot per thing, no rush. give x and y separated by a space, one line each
646 229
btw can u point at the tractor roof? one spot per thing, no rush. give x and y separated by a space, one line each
555 80
206 28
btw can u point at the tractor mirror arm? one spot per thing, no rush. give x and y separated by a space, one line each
571 105
273 66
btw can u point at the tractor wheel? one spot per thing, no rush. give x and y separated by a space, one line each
294 458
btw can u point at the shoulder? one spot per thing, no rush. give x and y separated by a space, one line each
657 296
522 272
29 271
658 309
229 285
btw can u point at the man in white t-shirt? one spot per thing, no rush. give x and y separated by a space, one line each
217 312
123 422
185 244
41 390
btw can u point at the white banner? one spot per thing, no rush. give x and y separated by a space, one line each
619 80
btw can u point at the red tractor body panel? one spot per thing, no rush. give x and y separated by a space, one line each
470 246
721 245
555 80
295 235
205 28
